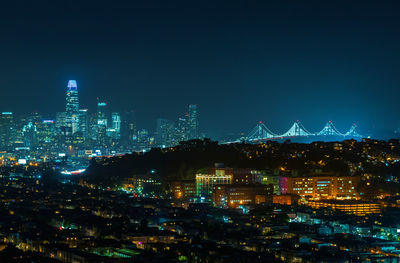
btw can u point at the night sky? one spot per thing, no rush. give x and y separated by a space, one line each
241 61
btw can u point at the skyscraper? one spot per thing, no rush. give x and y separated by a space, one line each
193 122
72 107
6 129
115 130
29 133
181 130
102 123
116 121
165 132
102 114
61 122
128 128
84 123
143 139
45 133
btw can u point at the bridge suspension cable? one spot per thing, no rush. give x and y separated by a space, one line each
329 130
261 132
353 132
297 129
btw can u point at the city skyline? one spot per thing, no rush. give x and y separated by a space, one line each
75 119
242 62
84 132
72 111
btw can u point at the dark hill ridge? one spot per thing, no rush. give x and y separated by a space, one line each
182 161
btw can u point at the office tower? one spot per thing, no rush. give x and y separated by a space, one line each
102 114
72 107
181 130
102 123
143 139
165 132
92 132
46 133
84 123
29 133
6 129
115 130
128 128
116 123
60 121
60 127
193 122
17 135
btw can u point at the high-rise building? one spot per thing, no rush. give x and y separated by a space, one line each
143 139
165 132
6 129
61 127
102 123
128 128
60 120
72 107
116 121
84 123
193 122
92 122
29 133
102 119
115 130
17 133
46 133
181 130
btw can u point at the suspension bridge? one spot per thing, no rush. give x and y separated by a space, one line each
261 132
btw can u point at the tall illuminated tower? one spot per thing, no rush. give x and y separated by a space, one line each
102 119
72 107
193 122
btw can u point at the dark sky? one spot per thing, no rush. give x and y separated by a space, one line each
241 61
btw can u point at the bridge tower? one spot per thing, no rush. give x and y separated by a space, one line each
260 132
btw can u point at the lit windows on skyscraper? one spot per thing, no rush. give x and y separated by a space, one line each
102 114
45 133
116 121
72 107
29 133
165 132
6 129
181 130
115 130
84 123
193 122
102 124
